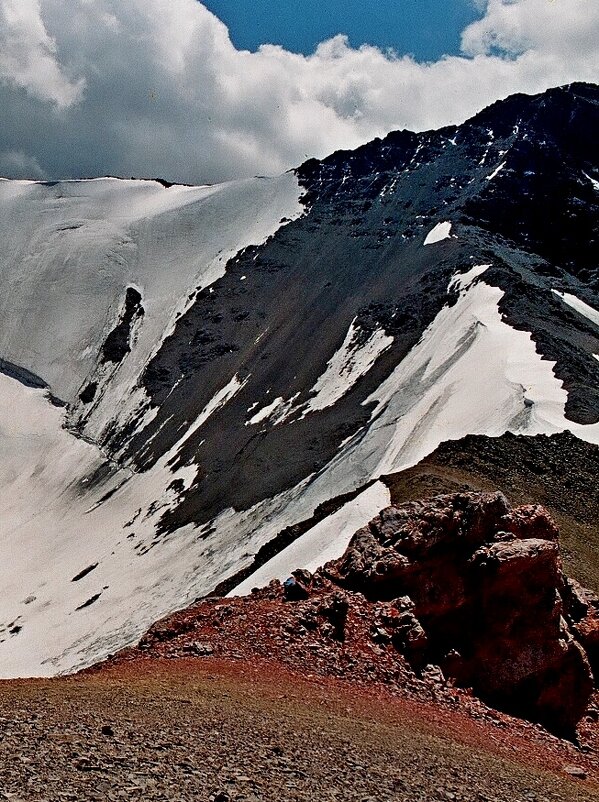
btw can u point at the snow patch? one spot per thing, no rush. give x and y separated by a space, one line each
56 519
284 411
470 373
461 281
224 395
265 412
495 172
440 232
579 306
592 180
353 360
325 541
388 189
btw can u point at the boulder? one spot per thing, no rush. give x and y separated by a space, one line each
479 590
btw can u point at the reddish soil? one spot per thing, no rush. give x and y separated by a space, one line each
240 637
317 658
218 729
468 722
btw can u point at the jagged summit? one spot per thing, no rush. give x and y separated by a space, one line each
233 357
572 104
556 110
544 146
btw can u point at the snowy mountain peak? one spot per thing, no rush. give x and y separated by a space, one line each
231 358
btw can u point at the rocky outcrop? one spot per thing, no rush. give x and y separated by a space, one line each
583 612
477 588
436 598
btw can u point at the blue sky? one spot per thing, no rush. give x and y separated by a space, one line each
426 29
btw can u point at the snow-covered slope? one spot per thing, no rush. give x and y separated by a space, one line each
70 251
189 373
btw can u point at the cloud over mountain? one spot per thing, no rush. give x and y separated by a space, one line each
156 87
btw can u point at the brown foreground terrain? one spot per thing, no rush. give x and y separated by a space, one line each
310 691
261 699
210 729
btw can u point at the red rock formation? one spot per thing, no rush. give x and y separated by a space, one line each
487 597
458 590
583 613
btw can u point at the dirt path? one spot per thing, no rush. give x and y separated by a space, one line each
211 730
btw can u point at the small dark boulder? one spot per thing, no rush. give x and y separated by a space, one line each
294 590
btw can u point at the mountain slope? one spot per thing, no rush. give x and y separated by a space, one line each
232 357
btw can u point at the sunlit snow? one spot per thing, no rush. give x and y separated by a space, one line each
496 171
354 359
470 373
579 306
87 241
592 180
325 541
440 232
265 412
228 392
461 281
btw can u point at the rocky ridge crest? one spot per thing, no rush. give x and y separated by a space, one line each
460 591
477 587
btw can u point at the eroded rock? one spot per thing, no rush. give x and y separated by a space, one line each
460 590
481 594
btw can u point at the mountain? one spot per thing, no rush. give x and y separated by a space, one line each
192 374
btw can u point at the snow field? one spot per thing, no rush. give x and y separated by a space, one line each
325 541
71 251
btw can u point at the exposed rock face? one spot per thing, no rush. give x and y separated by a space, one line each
479 590
583 610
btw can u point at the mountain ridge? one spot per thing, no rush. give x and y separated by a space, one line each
232 357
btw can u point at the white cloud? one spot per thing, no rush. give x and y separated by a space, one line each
166 92
28 58
561 29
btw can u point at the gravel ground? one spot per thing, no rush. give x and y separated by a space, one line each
204 730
